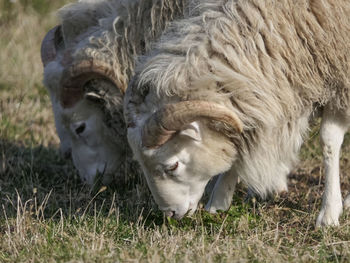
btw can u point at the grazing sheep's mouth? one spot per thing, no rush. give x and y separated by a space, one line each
169 213
172 214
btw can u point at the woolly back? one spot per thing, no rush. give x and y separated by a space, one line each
277 55
272 62
116 31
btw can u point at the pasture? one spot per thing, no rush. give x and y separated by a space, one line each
48 215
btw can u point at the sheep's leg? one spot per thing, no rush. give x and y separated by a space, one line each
333 127
221 196
210 185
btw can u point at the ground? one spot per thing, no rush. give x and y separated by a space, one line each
48 215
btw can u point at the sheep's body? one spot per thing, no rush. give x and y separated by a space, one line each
117 31
114 32
273 63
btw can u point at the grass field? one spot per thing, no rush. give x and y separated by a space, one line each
48 215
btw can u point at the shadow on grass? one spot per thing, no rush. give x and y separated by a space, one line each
39 174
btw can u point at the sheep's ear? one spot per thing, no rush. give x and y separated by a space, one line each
192 130
92 96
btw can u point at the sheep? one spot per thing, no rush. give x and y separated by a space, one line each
232 91
88 60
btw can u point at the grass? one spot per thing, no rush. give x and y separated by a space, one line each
48 215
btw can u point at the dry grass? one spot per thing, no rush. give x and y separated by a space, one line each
24 103
48 215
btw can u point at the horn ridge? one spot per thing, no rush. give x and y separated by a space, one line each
49 44
164 123
79 73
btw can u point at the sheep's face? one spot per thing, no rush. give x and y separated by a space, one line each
80 78
63 134
93 146
178 171
84 135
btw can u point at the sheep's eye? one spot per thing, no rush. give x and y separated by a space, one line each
80 129
172 167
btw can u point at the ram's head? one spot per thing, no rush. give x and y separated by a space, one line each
177 147
79 90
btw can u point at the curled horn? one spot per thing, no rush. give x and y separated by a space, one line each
49 45
78 74
164 123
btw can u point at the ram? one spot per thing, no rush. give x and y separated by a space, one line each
231 91
88 60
